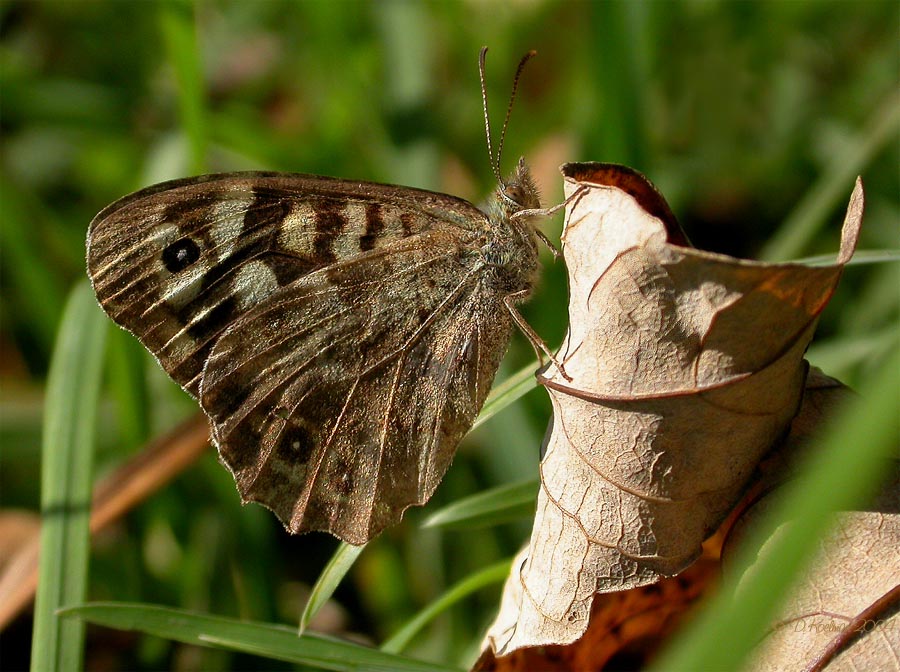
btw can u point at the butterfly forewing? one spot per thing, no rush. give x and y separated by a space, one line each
176 263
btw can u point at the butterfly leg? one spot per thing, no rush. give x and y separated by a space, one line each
549 212
537 343
549 243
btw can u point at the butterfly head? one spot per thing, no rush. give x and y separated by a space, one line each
519 192
513 204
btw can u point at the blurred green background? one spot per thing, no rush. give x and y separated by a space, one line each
753 119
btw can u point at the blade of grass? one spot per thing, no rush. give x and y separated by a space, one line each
860 258
73 387
115 494
507 392
839 355
128 387
179 33
841 472
497 505
264 639
622 135
328 581
496 573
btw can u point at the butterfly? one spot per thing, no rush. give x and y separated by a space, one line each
340 335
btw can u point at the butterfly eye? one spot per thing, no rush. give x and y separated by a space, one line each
180 254
508 195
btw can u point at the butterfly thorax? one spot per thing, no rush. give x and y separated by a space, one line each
512 246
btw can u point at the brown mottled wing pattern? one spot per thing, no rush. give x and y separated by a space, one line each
178 262
336 332
347 405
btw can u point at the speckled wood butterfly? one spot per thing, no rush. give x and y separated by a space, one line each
340 335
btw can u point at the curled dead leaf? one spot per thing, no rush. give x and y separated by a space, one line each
687 367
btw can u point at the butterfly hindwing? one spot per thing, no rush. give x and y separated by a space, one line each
339 401
179 262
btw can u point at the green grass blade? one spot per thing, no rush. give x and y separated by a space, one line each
329 579
127 387
496 573
68 436
262 639
840 473
497 505
507 393
179 32
622 135
860 258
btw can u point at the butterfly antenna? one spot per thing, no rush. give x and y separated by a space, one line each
512 98
495 163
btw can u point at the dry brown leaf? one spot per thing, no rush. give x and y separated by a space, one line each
627 628
845 611
847 601
686 367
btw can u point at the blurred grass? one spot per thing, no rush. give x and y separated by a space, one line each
495 573
739 112
178 27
